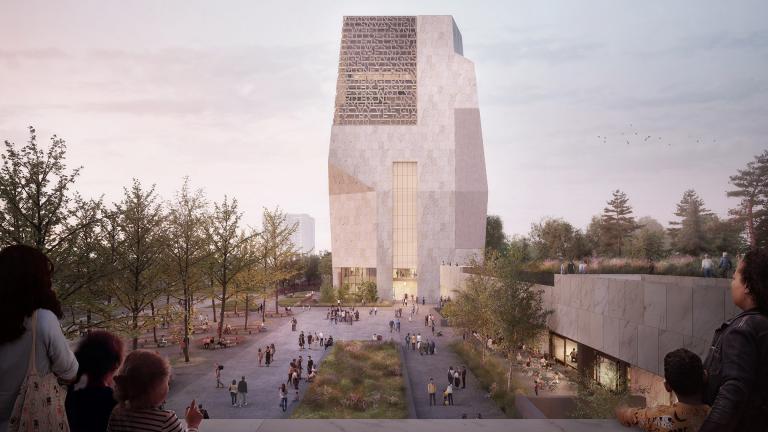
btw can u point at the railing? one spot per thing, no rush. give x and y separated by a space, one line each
457 425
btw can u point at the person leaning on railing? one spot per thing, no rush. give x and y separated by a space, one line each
737 363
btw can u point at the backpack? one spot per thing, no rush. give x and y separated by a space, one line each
40 403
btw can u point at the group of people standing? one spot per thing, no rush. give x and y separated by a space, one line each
457 379
337 313
267 355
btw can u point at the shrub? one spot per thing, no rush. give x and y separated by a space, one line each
327 294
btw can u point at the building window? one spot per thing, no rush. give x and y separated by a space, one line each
404 228
355 276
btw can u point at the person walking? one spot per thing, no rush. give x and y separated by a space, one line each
301 340
283 393
450 374
233 392
725 266
413 342
706 266
456 379
267 356
391 325
463 377
219 384
431 390
449 393
309 340
242 391
397 324
295 381
261 356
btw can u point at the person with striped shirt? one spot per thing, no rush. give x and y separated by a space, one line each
141 386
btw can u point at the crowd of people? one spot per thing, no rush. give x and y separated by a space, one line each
111 391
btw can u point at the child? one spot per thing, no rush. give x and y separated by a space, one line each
140 388
684 375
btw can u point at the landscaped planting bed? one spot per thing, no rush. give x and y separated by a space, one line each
357 380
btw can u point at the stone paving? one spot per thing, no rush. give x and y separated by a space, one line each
198 381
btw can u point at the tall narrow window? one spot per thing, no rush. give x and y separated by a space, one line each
404 228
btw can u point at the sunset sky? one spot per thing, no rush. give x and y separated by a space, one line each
576 98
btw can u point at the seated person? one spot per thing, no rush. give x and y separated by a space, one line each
312 374
684 375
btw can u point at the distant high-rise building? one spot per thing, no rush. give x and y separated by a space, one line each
406 168
304 236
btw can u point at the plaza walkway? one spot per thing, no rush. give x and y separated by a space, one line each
199 382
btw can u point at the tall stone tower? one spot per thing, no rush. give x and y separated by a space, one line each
408 189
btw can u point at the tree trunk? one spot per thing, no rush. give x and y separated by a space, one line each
187 312
509 373
222 307
263 310
213 302
751 227
277 293
246 312
154 324
135 325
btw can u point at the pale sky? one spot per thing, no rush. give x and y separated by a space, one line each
239 96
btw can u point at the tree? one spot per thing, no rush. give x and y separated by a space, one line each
39 208
648 241
278 252
187 247
312 269
495 239
688 234
469 308
367 292
140 223
751 186
229 249
517 314
594 235
724 235
617 222
552 238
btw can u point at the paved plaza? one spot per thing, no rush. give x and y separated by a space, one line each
198 379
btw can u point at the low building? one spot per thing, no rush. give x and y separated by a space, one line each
616 329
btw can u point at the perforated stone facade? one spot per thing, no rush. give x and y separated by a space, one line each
375 126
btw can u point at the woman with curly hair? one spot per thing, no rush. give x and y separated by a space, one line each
737 363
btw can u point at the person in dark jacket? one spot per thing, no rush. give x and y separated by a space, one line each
737 363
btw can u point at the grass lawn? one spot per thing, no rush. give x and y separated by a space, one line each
357 380
492 371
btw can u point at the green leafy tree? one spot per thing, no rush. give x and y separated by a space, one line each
187 248
140 222
39 208
751 187
343 293
724 235
617 223
367 292
312 268
689 234
495 239
279 254
552 238
230 251
517 314
648 241
327 293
